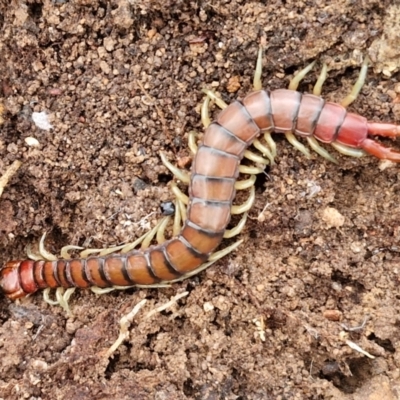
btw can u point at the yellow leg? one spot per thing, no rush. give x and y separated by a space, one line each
320 81
177 217
313 143
192 142
229 233
358 85
348 151
178 194
295 143
181 175
294 83
160 236
255 157
12 169
246 183
205 112
264 150
257 85
271 143
218 101
246 205
244 169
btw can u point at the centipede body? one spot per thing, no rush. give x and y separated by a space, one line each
211 192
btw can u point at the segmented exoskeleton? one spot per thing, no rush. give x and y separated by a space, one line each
212 185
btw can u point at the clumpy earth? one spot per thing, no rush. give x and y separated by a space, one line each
318 271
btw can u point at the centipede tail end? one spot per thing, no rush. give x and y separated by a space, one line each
12 278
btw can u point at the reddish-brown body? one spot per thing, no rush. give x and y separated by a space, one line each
211 192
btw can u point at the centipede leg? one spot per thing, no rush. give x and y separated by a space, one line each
321 80
255 157
242 208
313 143
5 178
358 85
296 144
42 253
264 150
348 151
192 142
181 175
294 82
229 233
257 84
179 194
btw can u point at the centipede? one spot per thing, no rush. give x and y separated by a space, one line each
202 217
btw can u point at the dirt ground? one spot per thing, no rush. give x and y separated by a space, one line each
318 272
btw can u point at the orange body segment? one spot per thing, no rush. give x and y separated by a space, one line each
49 274
329 122
138 271
217 137
238 121
161 266
215 163
285 105
202 241
212 189
77 274
182 256
94 272
258 105
210 216
114 270
307 117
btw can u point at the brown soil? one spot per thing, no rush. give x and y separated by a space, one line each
121 81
